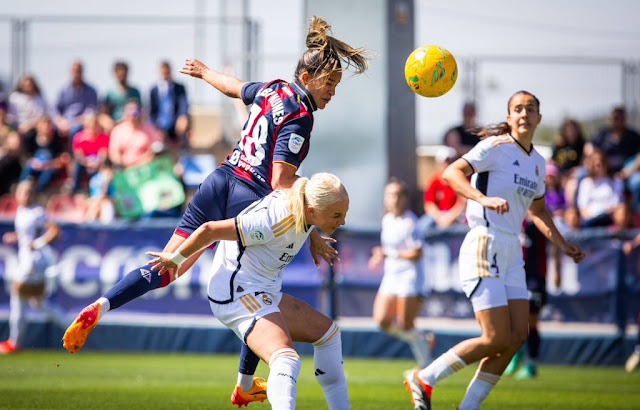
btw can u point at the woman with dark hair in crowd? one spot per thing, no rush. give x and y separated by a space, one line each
26 104
568 146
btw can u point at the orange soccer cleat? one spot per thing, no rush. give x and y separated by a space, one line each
8 347
258 392
420 392
76 335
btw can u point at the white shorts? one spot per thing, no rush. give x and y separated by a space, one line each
489 293
242 314
32 266
402 283
487 253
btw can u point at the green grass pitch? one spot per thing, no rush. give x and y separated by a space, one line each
89 380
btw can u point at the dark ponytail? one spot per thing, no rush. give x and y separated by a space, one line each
326 54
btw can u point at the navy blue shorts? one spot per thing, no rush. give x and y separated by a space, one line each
219 197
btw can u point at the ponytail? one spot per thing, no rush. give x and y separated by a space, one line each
325 54
297 203
319 192
491 130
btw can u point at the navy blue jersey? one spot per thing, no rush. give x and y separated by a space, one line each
278 130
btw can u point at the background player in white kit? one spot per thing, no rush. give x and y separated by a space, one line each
399 296
508 181
245 288
33 234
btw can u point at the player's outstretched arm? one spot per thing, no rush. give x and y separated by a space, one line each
226 84
544 222
205 235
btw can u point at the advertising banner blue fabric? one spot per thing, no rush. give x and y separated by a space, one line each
588 291
92 258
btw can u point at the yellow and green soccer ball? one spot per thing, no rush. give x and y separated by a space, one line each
431 71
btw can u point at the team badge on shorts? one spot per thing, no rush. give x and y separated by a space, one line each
266 299
295 143
256 235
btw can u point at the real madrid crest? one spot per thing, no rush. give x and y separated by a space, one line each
266 299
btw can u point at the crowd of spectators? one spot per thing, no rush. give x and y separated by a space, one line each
72 146
590 182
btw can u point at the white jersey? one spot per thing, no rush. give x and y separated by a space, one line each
30 223
401 277
267 243
399 234
503 168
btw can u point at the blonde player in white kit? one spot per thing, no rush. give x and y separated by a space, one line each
399 296
33 234
508 181
245 288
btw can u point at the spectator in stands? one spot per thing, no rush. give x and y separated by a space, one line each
460 137
26 105
47 159
571 221
400 294
568 146
100 204
624 218
10 162
169 108
442 206
90 150
556 202
5 126
33 235
618 142
117 97
134 140
75 100
599 194
630 174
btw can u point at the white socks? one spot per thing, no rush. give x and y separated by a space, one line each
17 319
418 343
329 370
104 306
284 368
478 390
245 381
443 367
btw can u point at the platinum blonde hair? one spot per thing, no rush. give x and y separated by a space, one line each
319 192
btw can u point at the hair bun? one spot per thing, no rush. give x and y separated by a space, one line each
318 32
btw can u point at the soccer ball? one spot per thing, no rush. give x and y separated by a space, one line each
431 71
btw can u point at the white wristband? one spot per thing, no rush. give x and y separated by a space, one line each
177 258
39 243
392 253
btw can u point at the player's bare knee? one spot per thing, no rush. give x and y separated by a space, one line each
519 338
497 343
